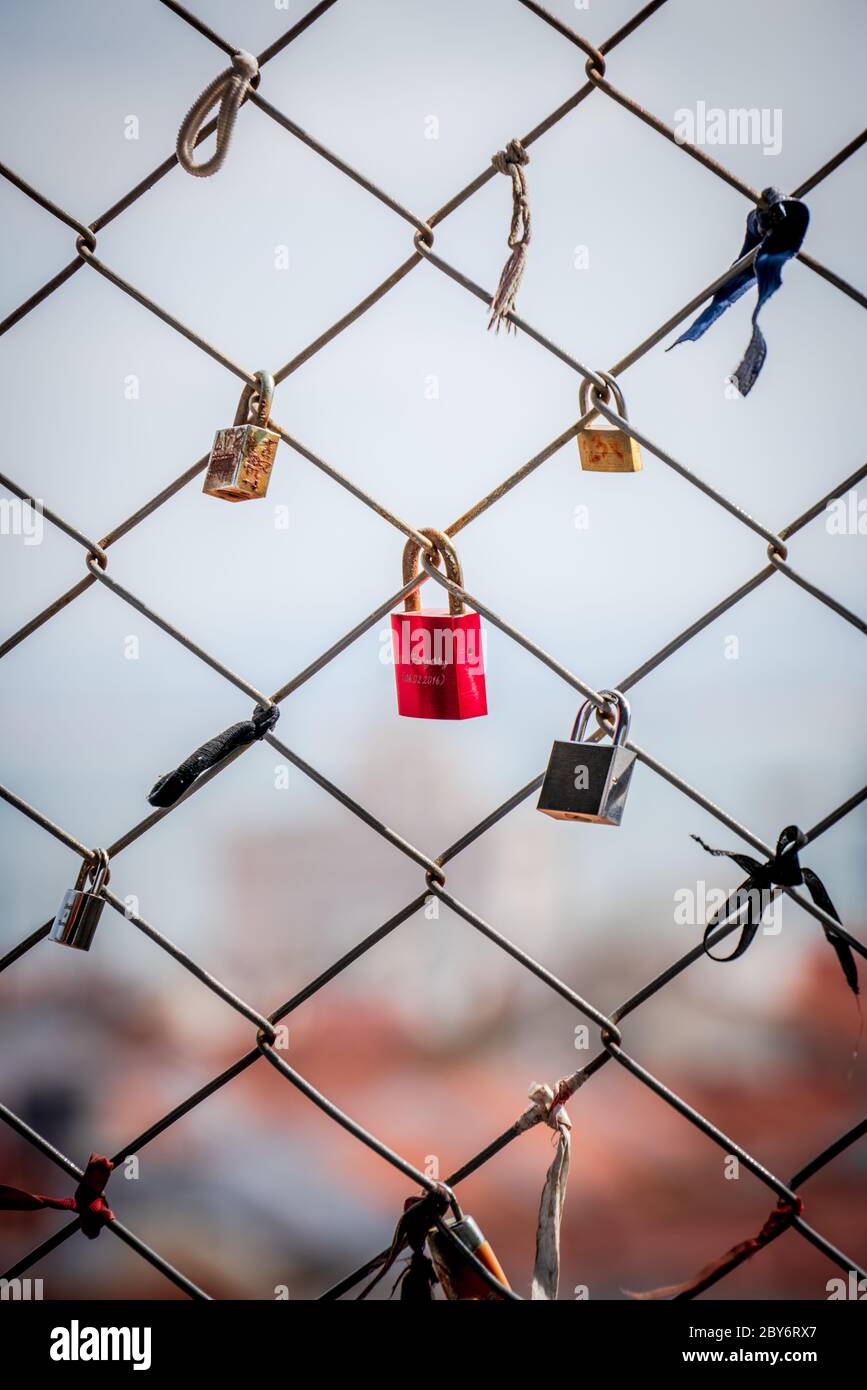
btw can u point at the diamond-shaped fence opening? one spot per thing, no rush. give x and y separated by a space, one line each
351 488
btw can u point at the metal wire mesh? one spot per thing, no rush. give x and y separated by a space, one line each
97 556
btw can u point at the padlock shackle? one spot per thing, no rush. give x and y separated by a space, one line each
584 402
264 393
621 727
450 1197
95 870
446 552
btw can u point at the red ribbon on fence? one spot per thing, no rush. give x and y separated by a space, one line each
780 1219
88 1200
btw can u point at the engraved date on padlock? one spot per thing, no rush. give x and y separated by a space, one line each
590 781
239 466
439 665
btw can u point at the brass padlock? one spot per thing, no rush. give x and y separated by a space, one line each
457 1277
80 911
241 457
589 781
602 447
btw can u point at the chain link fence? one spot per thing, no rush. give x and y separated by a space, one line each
614 1047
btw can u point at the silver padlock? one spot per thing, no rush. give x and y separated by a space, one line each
80 911
589 781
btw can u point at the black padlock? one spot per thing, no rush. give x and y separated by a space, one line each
80 911
589 781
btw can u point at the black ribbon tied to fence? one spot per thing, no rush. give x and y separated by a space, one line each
782 870
777 228
172 785
417 1278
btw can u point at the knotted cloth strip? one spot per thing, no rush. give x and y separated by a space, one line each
779 1221
546 1271
777 228
783 870
230 90
418 1276
88 1201
171 785
511 161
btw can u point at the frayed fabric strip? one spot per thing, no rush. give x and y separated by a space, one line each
511 161
546 1271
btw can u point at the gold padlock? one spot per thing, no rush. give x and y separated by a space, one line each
602 447
241 457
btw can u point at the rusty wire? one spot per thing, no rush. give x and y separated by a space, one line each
97 571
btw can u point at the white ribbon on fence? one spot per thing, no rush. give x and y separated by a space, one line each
546 1273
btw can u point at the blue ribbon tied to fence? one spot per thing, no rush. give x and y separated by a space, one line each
777 227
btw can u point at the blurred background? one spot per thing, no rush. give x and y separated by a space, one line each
432 1039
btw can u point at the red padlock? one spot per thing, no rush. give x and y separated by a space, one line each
438 660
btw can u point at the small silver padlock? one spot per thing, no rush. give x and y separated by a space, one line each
241 457
589 781
80 911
